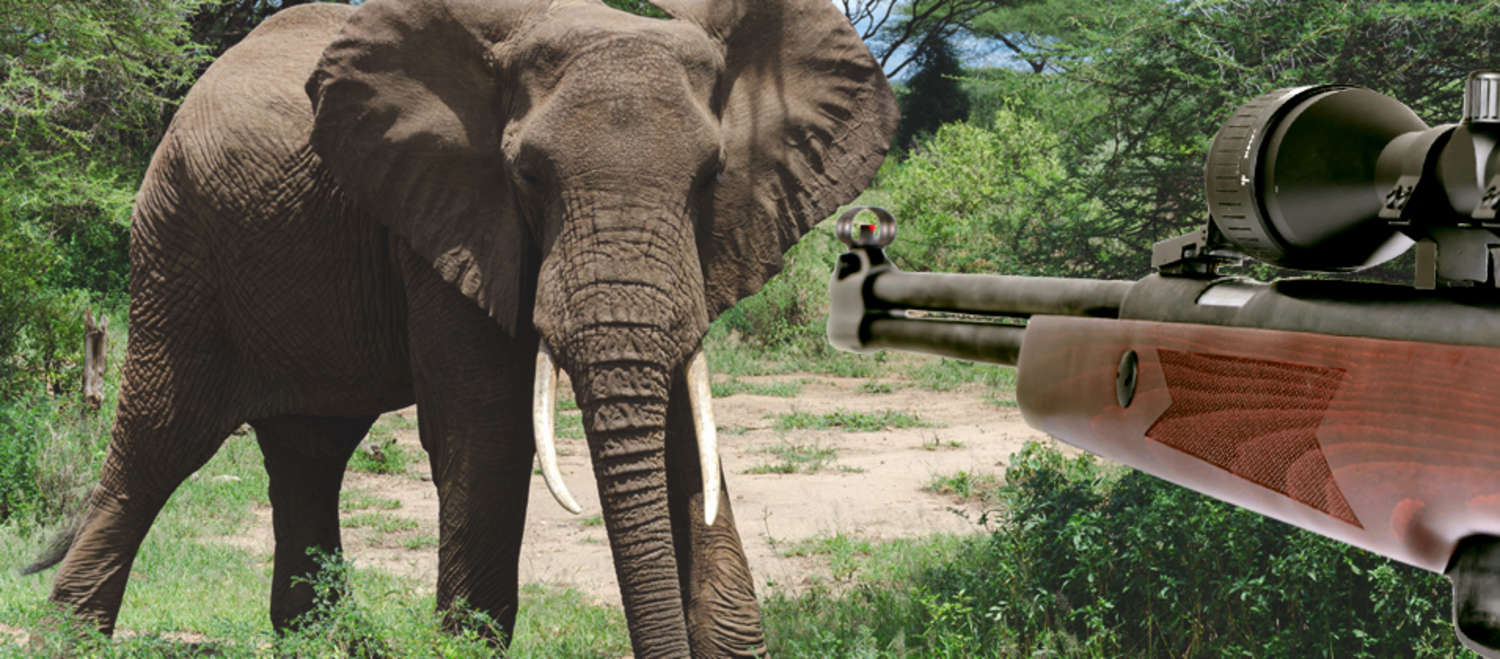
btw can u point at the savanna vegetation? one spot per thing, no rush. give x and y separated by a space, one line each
1054 137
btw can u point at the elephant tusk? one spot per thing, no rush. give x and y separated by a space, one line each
544 406
701 400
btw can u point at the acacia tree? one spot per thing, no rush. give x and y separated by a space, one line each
83 96
896 31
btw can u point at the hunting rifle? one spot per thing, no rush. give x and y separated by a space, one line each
1366 412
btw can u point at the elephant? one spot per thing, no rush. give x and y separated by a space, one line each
444 202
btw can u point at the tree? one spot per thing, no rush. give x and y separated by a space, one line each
934 94
82 104
1031 30
897 31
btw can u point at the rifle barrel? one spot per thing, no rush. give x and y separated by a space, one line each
1004 295
981 342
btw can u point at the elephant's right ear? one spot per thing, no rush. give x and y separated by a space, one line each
408 118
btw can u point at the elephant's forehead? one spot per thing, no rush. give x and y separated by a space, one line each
571 33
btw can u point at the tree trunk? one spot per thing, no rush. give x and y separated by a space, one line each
95 358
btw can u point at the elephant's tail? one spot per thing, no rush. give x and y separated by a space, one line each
56 549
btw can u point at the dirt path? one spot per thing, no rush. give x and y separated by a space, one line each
868 485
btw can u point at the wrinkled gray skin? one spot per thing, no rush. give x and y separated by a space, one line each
358 208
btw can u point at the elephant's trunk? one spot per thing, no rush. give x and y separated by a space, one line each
620 306
624 407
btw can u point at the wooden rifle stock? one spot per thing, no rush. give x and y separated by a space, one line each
1386 445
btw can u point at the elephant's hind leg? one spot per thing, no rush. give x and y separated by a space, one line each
305 458
157 442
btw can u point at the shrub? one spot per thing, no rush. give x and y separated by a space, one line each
790 311
50 446
992 199
1088 560
1126 563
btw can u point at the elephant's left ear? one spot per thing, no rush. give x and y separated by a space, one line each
408 113
807 118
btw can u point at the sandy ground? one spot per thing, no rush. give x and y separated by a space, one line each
872 489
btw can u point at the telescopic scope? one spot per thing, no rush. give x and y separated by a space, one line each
1336 178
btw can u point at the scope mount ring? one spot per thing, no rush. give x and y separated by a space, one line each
866 234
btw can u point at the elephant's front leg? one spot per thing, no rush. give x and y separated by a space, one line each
473 390
718 591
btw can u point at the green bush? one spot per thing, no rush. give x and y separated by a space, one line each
50 445
1126 563
992 198
791 310
1085 560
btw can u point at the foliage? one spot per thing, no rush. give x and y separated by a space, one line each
87 78
51 447
895 31
789 311
849 421
84 96
994 198
1030 31
639 7
1085 560
219 24
933 95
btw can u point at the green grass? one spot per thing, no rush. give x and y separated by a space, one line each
568 426
997 401
592 521
181 580
419 542
184 581
380 456
874 387
796 458
350 500
730 355
849 421
953 374
938 444
733 385
965 486
379 522
843 553
379 453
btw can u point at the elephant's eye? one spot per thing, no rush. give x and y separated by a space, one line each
528 178
713 172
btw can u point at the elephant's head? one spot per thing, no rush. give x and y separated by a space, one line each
616 181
